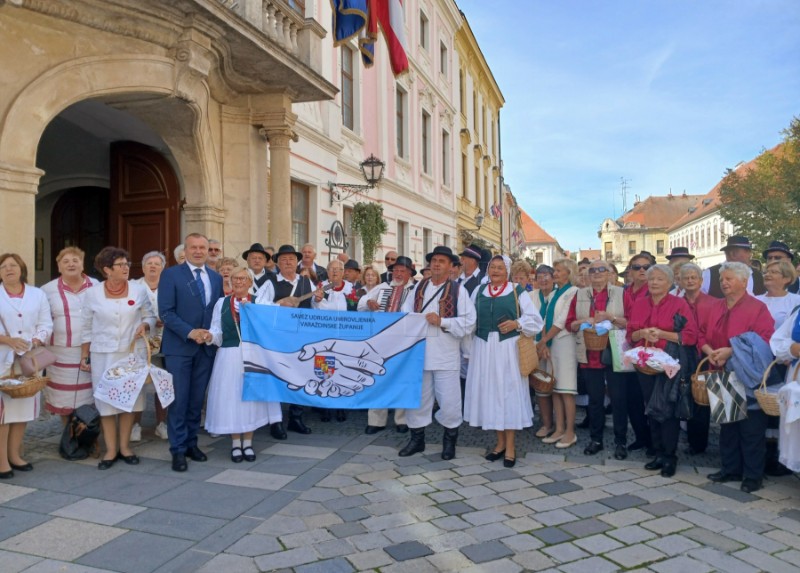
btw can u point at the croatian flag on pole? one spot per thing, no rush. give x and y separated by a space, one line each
332 359
362 18
391 17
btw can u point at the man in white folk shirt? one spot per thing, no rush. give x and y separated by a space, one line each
451 316
389 297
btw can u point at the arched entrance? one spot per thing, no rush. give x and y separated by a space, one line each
80 218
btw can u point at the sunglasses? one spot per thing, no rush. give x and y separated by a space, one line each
595 270
640 267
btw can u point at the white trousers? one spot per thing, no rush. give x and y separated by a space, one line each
445 386
380 416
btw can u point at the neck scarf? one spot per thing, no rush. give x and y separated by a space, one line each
547 310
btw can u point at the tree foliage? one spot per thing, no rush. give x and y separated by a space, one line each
369 224
763 203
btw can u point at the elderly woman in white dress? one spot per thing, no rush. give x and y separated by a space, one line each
497 396
115 313
226 412
25 323
69 387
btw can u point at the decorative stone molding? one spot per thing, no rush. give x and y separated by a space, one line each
20 179
446 117
203 213
466 137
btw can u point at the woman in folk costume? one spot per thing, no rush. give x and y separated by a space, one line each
226 412
497 396
69 387
26 323
115 313
556 348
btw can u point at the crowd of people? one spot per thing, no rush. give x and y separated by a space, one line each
477 307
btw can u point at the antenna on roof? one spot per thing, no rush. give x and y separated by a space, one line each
624 190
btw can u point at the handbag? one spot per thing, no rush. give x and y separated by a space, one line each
618 344
79 437
526 347
726 397
36 360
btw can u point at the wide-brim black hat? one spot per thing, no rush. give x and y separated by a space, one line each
778 246
256 248
352 264
680 252
739 241
441 250
403 262
287 250
473 252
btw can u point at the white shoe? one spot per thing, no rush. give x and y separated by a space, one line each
136 433
161 431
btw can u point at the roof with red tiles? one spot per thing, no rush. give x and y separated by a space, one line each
660 212
533 232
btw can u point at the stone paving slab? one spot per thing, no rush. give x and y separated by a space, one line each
343 501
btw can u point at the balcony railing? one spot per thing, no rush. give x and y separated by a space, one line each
280 20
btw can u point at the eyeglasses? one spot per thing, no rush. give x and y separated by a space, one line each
210 250
240 278
640 267
595 270
390 259
121 265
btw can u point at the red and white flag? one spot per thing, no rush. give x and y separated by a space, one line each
391 17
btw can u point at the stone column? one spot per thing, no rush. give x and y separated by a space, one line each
280 186
18 188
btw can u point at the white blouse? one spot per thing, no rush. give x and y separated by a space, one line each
530 321
65 307
335 300
110 323
27 317
780 306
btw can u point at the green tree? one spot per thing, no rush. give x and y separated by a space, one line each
369 224
763 203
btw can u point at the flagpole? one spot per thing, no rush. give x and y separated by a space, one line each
502 184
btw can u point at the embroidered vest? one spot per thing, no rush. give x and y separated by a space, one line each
472 283
230 336
489 311
447 305
583 304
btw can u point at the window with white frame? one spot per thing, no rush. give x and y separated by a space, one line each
401 104
464 177
300 212
427 240
402 237
443 58
348 96
445 158
426 142
424 40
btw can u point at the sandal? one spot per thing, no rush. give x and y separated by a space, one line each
249 454
544 432
237 455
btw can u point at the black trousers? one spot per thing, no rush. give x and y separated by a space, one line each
664 434
697 428
626 402
742 445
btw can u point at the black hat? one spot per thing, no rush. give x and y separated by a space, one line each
486 255
352 264
473 252
585 261
442 250
778 246
403 262
287 250
256 248
647 254
679 252
737 241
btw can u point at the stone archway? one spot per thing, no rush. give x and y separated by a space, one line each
159 90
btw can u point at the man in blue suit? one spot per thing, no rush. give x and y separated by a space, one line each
186 297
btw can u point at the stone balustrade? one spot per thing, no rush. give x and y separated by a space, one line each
278 19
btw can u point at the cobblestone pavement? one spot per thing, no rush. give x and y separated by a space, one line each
341 501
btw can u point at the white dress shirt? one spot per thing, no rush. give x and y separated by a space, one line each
204 278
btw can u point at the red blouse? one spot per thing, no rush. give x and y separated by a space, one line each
700 309
645 314
600 303
722 323
629 297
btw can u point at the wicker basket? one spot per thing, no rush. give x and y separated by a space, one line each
699 387
594 341
647 369
148 346
30 387
543 381
766 399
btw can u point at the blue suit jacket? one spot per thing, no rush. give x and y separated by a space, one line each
181 309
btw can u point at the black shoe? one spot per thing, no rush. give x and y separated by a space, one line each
341 415
296 425
655 464
23 468
249 454
401 429
723 477
277 431
179 463
650 452
449 443
416 443
324 416
668 468
237 455
106 464
583 423
509 462
772 468
131 460
7 475
374 429
620 452
749 485
195 454
592 448
637 445
494 456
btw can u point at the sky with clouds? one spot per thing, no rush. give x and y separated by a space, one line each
665 93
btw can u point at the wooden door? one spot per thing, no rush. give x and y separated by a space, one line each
79 219
145 203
